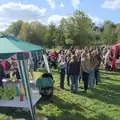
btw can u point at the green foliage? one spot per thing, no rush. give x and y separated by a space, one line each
25 31
8 93
117 32
108 35
15 28
4 117
76 29
50 36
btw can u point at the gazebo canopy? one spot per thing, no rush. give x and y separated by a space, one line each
10 45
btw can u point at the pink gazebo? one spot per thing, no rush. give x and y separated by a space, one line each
115 48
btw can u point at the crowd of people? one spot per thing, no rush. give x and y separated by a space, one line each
9 68
5 68
76 64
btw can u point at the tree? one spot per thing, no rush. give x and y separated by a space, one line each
117 32
60 36
25 32
39 32
50 36
108 35
77 30
15 28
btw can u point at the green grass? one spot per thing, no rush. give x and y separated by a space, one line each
100 103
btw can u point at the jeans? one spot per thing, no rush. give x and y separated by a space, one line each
62 78
91 79
85 77
74 83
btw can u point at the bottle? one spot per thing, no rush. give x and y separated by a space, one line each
17 91
21 97
21 89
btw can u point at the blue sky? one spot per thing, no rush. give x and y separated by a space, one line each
48 11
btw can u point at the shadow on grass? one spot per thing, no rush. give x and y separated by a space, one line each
110 87
61 103
106 96
77 116
16 113
70 111
110 79
112 73
101 117
68 116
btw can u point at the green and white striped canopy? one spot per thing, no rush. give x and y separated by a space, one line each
10 46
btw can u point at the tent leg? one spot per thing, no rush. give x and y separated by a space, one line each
26 86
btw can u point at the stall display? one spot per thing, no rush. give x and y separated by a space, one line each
21 49
3 117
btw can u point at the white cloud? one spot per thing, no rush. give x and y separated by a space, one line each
3 26
61 5
55 19
75 3
111 4
51 3
15 11
96 20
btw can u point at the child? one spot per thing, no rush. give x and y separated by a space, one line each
62 68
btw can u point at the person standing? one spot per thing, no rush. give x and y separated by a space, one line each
74 69
2 75
31 67
62 68
85 69
68 72
97 66
91 62
7 69
108 61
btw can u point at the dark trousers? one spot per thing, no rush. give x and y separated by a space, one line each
85 77
108 67
7 76
1 84
97 76
68 79
80 77
18 75
54 64
62 78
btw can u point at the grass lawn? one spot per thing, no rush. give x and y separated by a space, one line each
100 103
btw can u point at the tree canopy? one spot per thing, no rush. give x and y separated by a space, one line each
76 29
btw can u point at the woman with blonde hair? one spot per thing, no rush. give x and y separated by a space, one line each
74 69
85 69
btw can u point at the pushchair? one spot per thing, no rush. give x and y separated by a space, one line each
45 85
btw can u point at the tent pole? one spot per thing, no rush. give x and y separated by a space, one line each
26 86
46 63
